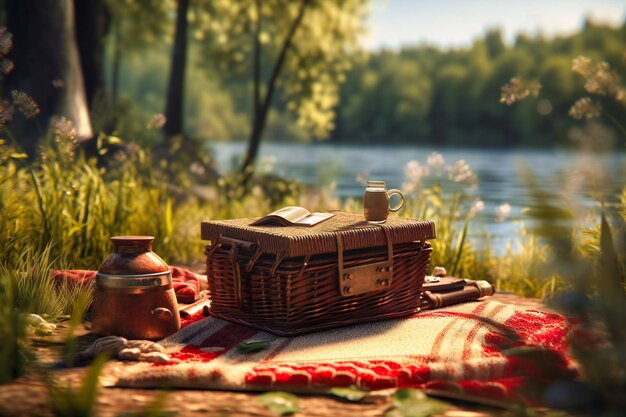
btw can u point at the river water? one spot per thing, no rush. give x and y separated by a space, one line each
500 183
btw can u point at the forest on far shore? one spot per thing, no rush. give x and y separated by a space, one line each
419 94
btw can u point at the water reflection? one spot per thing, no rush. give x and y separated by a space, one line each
558 172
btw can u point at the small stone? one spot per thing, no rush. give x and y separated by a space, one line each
154 357
35 320
439 271
129 354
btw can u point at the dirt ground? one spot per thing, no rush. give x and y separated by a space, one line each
28 396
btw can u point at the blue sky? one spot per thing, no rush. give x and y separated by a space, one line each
450 23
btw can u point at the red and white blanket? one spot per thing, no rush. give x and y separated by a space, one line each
458 347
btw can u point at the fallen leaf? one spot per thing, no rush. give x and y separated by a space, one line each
350 394
252 347
282 403
410 402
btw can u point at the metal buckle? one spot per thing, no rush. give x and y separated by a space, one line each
365 278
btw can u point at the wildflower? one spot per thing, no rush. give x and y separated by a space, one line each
503 211
197 168
6 113
413 174
593 136
65 135
583 66
603 82
478 206
6 66
585 108
120 156
362 178
6 41
132 149
257 192
25 104
460 171
58 83
600 80
267 163
518 89
435 160
157 121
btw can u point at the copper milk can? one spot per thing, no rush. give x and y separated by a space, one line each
134 297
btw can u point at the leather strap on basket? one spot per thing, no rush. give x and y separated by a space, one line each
233 255
364 278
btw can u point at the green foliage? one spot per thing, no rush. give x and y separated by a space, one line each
350 394
595 271
68 401
74 206
281 403
81 303
29 284
139 23
410 402
15 351
309 57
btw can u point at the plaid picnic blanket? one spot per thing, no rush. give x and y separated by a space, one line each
463 347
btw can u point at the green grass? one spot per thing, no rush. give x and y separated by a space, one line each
35 290
15 352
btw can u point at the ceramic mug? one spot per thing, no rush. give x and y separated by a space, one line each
376 202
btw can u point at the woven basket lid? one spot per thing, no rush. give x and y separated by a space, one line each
293 241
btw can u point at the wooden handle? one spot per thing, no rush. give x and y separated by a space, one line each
472 291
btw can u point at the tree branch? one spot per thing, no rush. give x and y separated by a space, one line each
283 55
260 117
257 62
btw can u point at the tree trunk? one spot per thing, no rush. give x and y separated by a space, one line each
116 63
260 115
92 21
44 51
176 86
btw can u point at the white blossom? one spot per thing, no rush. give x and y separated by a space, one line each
503 211
460 171
478 206
436 161
413 173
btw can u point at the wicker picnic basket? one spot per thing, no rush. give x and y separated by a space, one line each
293 280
